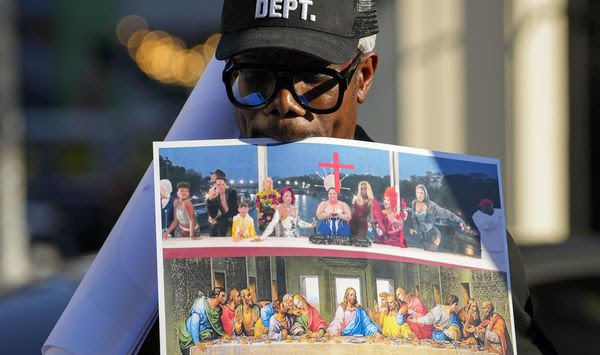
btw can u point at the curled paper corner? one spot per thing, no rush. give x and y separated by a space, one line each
95 323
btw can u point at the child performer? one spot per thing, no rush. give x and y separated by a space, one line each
243 225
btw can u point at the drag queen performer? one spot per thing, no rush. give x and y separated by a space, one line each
393 222
334 216
425 213
365 210
285 221
266 202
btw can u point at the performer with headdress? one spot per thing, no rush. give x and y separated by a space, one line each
334 216
266 200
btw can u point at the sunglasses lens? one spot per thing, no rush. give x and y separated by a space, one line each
317 90
252 87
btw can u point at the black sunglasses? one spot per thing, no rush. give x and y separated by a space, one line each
317 89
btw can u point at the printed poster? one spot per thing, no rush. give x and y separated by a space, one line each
329 245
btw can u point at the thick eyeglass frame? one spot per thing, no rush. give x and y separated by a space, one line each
284 76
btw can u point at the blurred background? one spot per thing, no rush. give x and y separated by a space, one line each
86 86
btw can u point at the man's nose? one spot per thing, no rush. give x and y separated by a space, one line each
284 105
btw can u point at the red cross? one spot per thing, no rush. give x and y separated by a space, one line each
336 169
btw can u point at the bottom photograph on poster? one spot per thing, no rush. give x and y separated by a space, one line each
302 304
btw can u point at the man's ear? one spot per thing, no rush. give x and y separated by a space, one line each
366 73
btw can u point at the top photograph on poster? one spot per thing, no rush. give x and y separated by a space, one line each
334 195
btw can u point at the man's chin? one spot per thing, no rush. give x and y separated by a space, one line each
285 135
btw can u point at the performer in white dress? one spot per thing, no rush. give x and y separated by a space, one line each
285 221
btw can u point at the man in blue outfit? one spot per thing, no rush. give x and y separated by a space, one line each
204 321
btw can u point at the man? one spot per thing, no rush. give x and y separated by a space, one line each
281 323
253 35
378 311
247 315
221 204
416 309
309 318
490 223
472 320
351 319
267 311
204 321
444 318
492 331
228 310
394 325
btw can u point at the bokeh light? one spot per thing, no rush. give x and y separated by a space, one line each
162 56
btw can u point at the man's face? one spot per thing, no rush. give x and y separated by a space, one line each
400 296
487 309
221 187
248 299
352 297
283 118
222 298
391 304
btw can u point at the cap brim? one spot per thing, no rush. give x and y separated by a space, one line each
326 46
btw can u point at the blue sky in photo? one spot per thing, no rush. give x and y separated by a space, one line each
238 161
302 159
412 164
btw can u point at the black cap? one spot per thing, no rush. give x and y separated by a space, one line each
327 29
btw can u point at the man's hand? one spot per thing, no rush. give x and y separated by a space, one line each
413 231
378 336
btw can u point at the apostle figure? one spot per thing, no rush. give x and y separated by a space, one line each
204 321
444 318
416 309
267 311
247 315
351 319
493 332
471 321
228 310
281 323
378 311
309 318
394 320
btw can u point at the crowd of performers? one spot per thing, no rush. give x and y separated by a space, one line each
396 316
335 222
